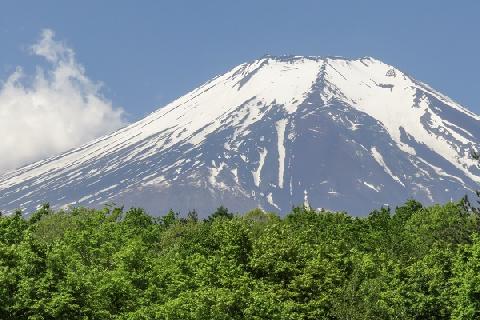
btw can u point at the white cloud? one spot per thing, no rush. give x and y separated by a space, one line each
53 110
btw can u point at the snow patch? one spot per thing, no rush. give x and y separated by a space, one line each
270 200
257 173
379 158
371 186
280 126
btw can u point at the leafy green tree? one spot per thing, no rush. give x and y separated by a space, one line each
466 281
221 212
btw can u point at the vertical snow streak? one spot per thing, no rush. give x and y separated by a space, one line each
379 158
257 174
280 126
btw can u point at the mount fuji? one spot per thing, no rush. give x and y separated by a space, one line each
336 133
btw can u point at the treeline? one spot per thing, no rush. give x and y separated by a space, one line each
412 263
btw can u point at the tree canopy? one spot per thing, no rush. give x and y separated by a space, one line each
413 262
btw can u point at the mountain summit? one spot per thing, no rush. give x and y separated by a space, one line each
341 134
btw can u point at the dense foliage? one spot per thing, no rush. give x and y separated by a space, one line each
413 263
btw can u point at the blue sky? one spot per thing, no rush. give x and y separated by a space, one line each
149 52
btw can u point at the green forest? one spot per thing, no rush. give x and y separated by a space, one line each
411 262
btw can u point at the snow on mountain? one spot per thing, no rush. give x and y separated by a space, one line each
338 133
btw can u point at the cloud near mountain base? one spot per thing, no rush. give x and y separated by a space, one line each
53 110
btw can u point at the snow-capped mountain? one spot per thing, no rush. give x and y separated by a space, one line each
337 133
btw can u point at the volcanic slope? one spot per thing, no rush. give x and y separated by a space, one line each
336 133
